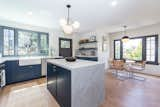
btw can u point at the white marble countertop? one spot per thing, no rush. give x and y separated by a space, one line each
3 59
72 65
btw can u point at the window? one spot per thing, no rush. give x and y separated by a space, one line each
117 48
138 49
27 43
44 44
151 49
133 49
65 44
18 42
8 42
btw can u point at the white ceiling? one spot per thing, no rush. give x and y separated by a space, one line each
92 14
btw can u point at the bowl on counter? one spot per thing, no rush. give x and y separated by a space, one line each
70 59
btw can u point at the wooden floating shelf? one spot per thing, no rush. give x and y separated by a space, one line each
88 42
87 48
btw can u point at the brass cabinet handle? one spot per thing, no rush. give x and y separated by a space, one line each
54 66
54 70
30 66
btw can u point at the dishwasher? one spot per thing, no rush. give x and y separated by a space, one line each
2 76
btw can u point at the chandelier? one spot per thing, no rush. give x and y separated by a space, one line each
68 26
125 38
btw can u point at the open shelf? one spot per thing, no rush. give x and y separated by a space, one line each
87 48
88 42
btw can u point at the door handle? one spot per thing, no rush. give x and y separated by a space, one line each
54 70
30 66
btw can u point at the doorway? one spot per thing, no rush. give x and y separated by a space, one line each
65 47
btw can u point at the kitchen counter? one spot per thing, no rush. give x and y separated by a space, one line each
3 59
72 65
76 84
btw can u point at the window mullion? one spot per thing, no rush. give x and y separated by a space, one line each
39 43
1 40
121 49
144 47
16 42
156 49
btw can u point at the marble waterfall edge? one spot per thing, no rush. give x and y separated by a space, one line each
88 86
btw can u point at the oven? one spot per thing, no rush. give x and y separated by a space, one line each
2 75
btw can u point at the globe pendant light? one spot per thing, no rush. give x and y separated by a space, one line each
125 38
68 26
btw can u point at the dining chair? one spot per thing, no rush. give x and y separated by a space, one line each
116 65
135 68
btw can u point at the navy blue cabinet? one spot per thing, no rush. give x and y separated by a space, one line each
29 72
16 73
52 79
64 87
59 84
11 68
88 58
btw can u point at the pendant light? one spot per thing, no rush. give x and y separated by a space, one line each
68 26
125 38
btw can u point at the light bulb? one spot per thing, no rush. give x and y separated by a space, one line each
114 3
63 22
30 13
68 29
76 25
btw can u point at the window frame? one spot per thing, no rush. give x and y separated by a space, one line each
143 49
120 49
16 41
156 50
42 33
2 40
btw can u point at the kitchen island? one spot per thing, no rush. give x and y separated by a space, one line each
76 84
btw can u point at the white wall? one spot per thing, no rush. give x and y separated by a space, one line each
54 34
102 55
109 54
143 31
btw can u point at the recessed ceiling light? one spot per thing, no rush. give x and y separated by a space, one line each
30 13
114 3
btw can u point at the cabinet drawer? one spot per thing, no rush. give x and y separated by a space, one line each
29 72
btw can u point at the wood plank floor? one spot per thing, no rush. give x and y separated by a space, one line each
132 93
127 93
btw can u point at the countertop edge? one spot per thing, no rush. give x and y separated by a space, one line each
70 68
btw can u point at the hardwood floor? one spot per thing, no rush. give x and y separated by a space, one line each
132 93
127 93
27 94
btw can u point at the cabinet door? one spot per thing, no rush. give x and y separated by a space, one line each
29 72
49 72
16 73
11 68
64 87
52 79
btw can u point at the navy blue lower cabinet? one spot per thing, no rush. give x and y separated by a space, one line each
29 72
64 87
11 68
16 73
59 84
52 79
